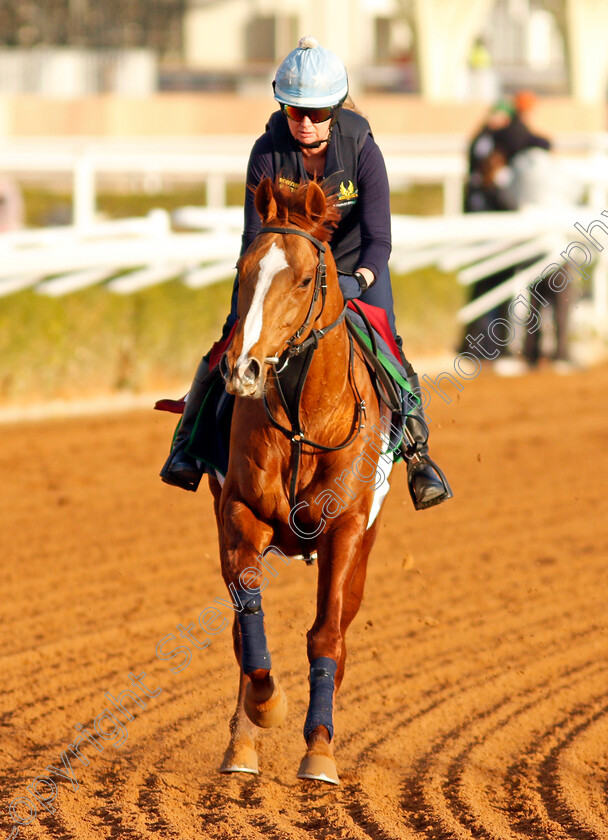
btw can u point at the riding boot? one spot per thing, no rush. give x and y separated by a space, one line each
180 468
426 482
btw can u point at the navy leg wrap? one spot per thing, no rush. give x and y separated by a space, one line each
320 708
255 652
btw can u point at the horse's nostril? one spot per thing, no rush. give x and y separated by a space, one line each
252 371
224 367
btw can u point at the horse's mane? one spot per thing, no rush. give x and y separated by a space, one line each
291 204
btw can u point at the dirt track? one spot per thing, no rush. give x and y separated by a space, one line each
475 703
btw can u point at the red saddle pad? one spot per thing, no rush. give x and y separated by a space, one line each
379 321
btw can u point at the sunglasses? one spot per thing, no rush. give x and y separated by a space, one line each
315 115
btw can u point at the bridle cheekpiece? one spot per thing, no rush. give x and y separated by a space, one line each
320 288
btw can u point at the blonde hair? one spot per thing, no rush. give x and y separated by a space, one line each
349 104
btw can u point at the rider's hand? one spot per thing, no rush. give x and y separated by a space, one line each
349 286
352 286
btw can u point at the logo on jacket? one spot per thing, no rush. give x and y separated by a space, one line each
347 193
285 182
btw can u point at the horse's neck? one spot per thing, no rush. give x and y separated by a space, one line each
327 392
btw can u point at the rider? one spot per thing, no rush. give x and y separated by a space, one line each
313 136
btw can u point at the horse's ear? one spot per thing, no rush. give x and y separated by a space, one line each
316 202
265 202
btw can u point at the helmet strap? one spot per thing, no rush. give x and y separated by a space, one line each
314 145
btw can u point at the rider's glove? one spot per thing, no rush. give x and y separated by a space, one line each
352 286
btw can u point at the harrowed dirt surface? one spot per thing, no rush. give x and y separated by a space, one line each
475 702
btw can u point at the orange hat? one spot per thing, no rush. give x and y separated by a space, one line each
525 100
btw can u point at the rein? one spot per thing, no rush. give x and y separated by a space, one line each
296 437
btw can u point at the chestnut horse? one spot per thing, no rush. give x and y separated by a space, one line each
313 475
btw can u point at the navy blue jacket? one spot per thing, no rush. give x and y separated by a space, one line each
354 170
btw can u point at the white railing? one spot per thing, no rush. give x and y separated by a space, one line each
478 245
55 261
133 254
216 161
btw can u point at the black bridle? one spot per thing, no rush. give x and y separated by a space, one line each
295 434
320 288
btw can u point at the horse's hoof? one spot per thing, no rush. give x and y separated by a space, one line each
271 712
320 768
240 758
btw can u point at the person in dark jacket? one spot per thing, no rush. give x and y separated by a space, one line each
314 136
489 189
516 136
480 195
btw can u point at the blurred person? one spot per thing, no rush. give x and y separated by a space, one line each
479 57
516 136
312 136
539 181
485 193
559 306
520 172
482 77
535 179
481 147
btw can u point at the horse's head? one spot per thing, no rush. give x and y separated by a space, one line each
277 282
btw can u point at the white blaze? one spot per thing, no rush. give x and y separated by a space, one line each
271 263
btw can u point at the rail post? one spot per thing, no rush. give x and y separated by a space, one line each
85 199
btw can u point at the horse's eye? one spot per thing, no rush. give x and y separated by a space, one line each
305 282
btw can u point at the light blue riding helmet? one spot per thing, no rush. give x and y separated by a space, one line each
311 77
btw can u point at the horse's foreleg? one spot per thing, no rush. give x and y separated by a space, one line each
241 755
354 594
342 573
244 538
264 700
